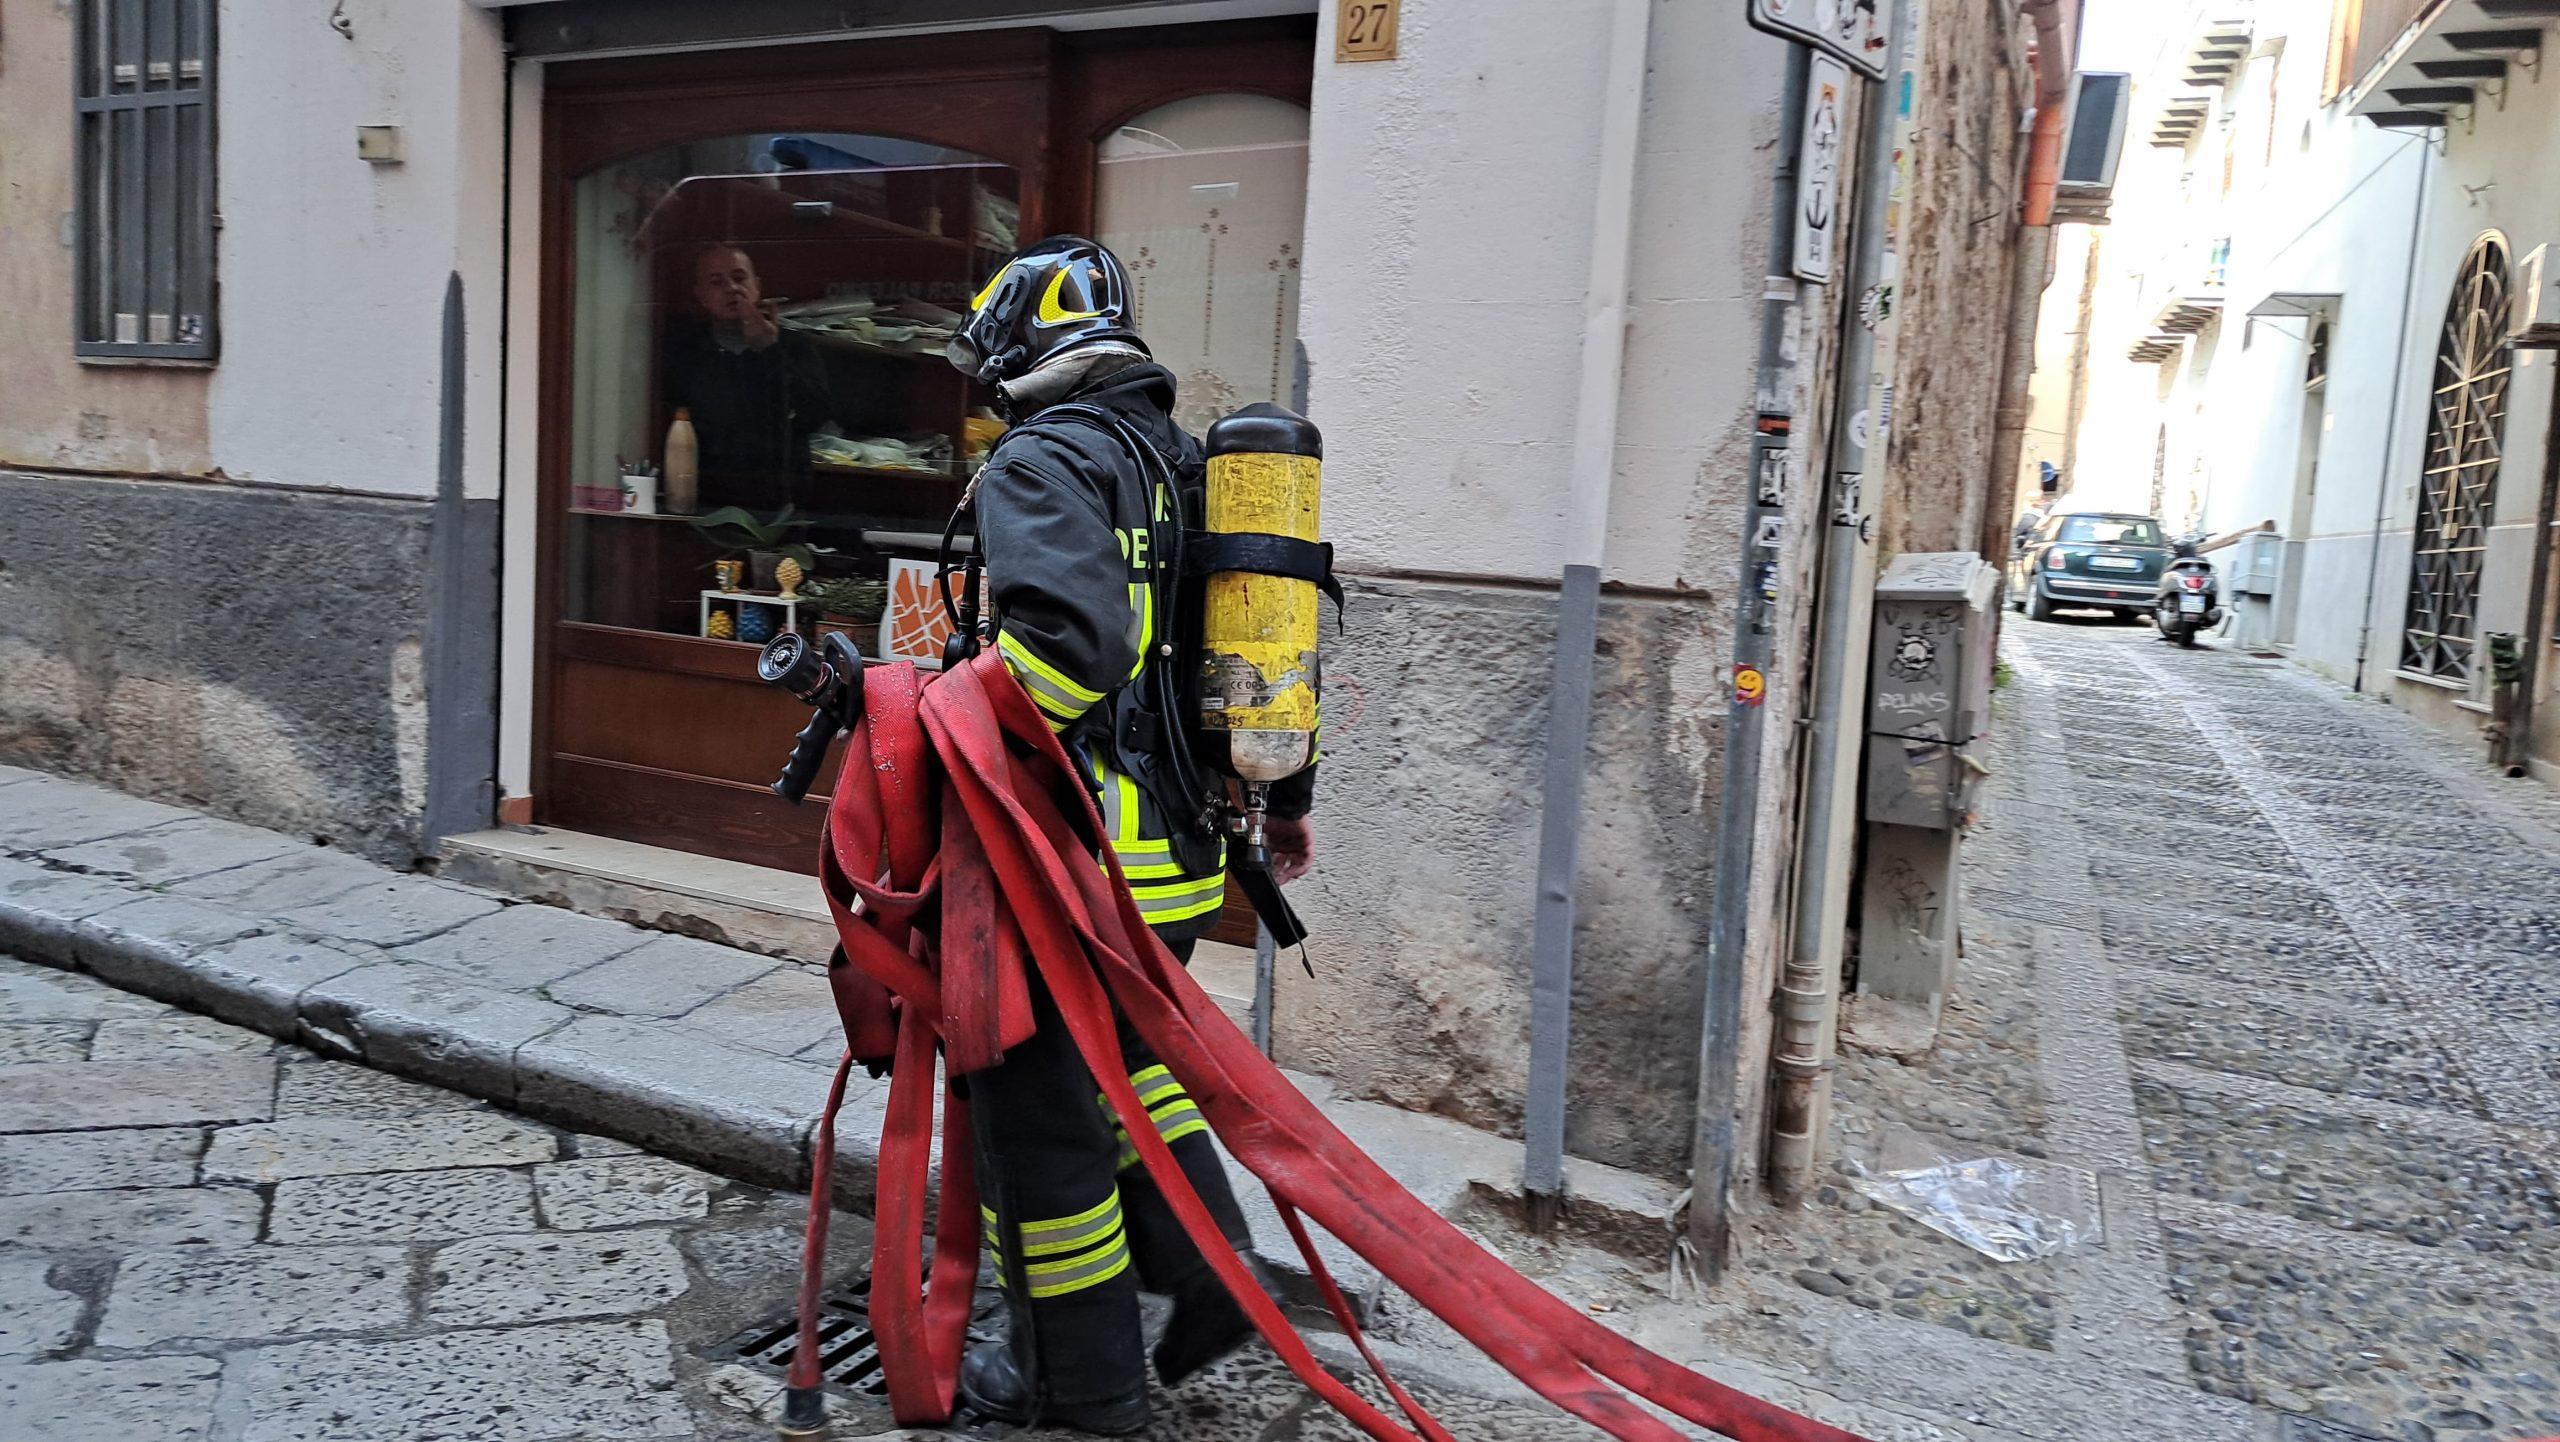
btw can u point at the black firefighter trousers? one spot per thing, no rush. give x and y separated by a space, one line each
1075 1226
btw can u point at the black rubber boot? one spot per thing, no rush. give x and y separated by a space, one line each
992 1383
1207 1323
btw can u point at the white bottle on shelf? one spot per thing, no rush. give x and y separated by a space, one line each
680 492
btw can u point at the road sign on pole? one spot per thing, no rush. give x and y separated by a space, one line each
1826 103
1850 31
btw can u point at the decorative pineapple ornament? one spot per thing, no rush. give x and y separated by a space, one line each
721 627
788 575
755 623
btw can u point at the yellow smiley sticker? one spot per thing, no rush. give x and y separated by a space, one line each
1750 688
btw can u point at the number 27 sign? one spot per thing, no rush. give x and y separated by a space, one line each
1364 30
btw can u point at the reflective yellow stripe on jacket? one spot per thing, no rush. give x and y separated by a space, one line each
1164 893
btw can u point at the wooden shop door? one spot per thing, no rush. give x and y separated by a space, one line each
777 240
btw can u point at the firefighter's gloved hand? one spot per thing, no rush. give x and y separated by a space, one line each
1293 848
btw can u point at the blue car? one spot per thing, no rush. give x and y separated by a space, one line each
2089 560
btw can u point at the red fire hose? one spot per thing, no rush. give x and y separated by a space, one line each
959 856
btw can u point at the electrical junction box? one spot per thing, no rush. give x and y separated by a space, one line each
1928 687
2257 561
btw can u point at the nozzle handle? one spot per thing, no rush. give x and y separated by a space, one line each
831 682
808 756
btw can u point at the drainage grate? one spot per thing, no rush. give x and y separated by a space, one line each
851 1358
847 1352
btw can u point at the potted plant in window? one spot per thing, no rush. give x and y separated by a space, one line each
851 604
765 543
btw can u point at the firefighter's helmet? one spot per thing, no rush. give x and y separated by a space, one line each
1062 294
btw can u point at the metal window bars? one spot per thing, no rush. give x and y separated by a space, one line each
144 211
2466 425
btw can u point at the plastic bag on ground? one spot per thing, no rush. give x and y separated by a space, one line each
2009 1211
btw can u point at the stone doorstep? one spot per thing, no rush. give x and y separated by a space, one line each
683 1091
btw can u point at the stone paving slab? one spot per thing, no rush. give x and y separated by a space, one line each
164 1399
388 913
35 1316
40 910
179 851
428 1023
151 1038
252 1292
742 1113
340 1146
620 1191
553 1277
51 812
516 1384
156 1217
258 981
57 1096
788 1011
342 1089
44 1041
526 946
665 978
305 877
401 1206
88 1161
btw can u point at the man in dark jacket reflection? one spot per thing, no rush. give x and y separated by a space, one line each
755 390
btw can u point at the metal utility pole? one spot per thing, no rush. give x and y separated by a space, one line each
1595 449
1711 1147
1809 988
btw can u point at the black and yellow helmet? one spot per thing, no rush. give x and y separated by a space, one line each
1061 294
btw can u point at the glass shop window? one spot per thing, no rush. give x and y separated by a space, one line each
1205 201
760 404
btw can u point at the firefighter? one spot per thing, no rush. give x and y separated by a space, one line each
1079 515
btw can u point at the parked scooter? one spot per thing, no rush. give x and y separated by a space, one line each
2190 596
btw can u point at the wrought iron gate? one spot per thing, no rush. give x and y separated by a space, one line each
2465 424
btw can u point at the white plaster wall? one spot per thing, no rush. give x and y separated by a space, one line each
333 270
1448 242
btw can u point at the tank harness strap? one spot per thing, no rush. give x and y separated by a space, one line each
1263 554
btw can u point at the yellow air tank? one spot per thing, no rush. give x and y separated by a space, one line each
1258 632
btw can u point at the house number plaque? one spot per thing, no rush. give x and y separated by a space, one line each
1364 30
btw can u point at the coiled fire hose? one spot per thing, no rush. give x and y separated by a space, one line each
959 856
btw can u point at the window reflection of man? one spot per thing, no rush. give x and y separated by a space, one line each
755 390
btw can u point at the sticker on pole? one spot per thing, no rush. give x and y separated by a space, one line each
1851 31
1750 688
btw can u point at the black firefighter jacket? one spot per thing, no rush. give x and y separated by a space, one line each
1077 535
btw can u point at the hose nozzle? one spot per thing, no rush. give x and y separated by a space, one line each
804 1415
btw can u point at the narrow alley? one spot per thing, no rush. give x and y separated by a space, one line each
2282 976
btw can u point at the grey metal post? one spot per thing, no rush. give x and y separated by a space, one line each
1755 581
462 621
1265 962
1809 990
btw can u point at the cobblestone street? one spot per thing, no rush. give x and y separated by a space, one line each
208 1236
2282 971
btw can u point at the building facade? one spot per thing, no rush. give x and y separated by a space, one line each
343 350
2303 318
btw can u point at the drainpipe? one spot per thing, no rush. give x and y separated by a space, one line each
2031 269
2032 265
1809 988
1711 1159
2391 419
2055 49
1595 447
